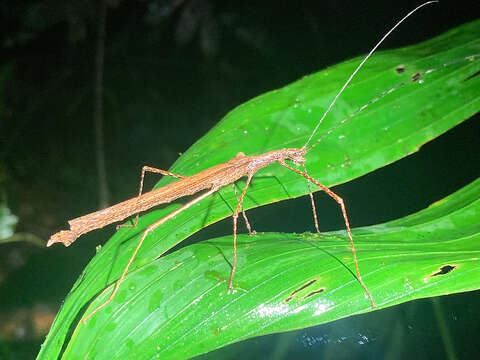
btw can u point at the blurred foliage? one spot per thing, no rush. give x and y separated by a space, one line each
7 222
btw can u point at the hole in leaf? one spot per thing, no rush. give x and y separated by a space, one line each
400 69
313 293
417 76
296 291
472 76
445 269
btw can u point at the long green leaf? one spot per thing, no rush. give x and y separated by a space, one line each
180 306
388 129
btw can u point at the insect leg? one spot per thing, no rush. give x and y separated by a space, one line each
144 170
340 202
312 201
235 219
247 223
146 232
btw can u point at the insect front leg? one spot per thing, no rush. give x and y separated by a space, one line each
341 203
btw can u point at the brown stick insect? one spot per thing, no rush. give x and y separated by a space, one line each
210 181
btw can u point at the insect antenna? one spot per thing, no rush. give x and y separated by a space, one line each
419 77
359 67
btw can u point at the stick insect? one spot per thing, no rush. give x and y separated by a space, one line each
210 181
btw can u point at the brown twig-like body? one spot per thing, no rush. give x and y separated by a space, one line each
212 180
215 177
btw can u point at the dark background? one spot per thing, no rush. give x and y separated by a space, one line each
172 69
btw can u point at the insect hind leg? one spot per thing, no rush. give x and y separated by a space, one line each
142 176
147 231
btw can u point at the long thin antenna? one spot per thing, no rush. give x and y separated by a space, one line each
360 66
388 92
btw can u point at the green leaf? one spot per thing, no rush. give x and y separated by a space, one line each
179 307
164 302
